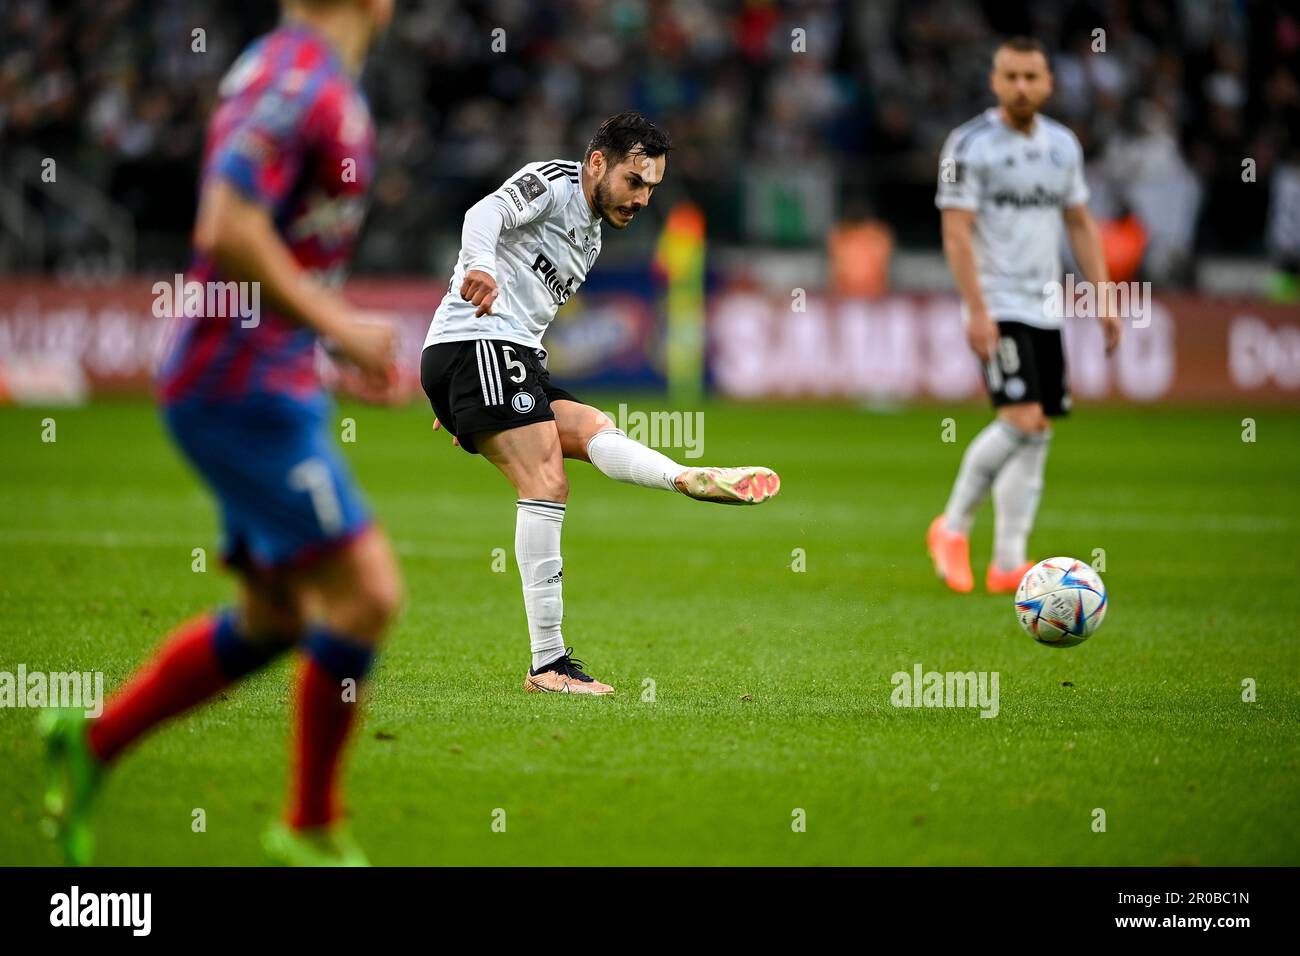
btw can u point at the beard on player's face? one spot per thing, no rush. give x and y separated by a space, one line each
616 206
1023 106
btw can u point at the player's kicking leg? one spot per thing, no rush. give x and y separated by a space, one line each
588 434
1006 457
530 458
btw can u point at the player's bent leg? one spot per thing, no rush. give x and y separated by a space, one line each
1016 492
587 434
578 424
203 656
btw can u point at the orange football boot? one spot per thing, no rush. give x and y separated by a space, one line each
950 553
997 581
564 676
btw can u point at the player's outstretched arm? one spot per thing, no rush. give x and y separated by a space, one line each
240 236
1085 241
521 199
981 330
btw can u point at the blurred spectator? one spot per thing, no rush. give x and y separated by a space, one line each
860 249
1124 244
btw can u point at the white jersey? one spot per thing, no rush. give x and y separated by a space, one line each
1018 185
538 238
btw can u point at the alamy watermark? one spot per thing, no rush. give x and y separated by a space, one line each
947 689
193 299
78 690
676 430
133 911
1086 300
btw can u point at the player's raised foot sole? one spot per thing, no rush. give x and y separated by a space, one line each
950 553
311 846
730 486
997 581
73 780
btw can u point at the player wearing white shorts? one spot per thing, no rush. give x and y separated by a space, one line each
1008 180
524 250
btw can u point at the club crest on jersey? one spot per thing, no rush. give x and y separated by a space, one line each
560 289
587 245
522 403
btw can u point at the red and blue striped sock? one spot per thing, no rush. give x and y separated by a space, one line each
328 700
197 659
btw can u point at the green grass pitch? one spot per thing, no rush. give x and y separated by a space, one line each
771 686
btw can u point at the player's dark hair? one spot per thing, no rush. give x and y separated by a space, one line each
1024 44
619 135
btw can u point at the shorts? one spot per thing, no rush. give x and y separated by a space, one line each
488 385
285 494
1029 366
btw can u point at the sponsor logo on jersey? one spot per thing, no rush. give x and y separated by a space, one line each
329 220
559 287
1039 198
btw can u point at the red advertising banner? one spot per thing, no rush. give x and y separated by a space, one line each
63 342
1183 349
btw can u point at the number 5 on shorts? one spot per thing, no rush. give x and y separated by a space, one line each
512 363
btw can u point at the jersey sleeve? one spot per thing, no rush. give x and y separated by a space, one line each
960 176
522 198
1076 189
526 196
266 150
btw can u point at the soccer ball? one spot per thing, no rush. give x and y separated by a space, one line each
1061 602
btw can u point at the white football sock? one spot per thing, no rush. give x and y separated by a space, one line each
984 458
541 569
623 459
1016 492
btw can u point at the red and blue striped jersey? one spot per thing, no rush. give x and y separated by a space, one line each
291 132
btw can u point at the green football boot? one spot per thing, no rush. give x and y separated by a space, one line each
316 846
75 775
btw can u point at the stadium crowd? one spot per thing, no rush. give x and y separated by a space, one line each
783 113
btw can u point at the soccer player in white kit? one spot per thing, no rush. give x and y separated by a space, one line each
524 250
1008 180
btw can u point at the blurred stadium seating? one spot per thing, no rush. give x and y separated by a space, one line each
800 127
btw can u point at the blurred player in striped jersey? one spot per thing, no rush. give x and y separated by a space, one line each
286 171
1008 180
